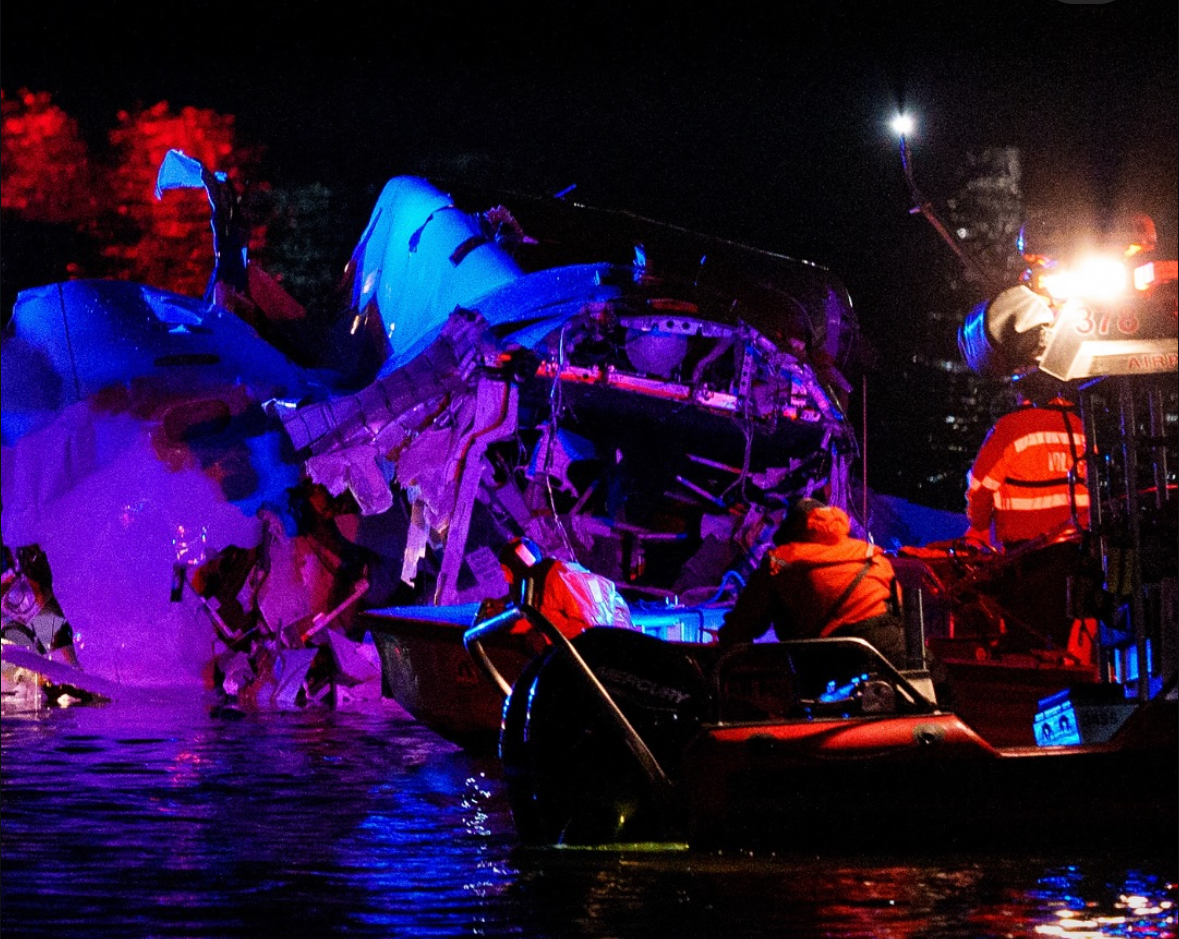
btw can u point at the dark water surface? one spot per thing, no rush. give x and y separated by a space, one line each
126 822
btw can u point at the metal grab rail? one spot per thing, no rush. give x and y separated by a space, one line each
918 699
473 642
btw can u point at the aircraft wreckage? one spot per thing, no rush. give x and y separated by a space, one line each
198 509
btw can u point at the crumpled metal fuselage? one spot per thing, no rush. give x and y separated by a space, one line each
617 412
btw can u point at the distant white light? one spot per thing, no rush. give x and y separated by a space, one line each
903 125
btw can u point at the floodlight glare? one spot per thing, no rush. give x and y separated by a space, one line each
903 125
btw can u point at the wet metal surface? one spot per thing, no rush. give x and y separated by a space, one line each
127 822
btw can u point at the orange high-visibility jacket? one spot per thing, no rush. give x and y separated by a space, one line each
798 584
1029 475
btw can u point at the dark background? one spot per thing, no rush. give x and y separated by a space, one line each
767 126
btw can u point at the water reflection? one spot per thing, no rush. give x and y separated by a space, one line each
1081 906
125 822
872 898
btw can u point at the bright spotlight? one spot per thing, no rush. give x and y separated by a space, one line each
1093 278
903 125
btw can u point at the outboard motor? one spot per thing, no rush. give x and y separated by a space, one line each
572 775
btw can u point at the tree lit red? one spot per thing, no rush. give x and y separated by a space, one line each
49 176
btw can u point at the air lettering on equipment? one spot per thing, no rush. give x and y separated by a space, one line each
1154 362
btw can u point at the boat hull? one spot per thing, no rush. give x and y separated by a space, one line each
926 783
624 738
999 697
427 670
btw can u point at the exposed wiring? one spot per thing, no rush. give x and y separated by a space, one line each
556 404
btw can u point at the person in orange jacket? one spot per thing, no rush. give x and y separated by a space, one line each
1028 479
569 595
1027 488
818 581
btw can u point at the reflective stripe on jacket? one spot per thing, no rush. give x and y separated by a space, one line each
574 598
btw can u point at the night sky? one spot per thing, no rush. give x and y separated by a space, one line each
765 127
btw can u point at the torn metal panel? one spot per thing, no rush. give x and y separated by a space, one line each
357 470
442 369
292 583
280 683
443 471
356 662
494 420
353 438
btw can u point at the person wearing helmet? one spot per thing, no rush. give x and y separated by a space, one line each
818 581
569 595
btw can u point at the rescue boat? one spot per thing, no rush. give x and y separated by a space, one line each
616 737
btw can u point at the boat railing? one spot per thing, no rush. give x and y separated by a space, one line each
812 677
473 638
